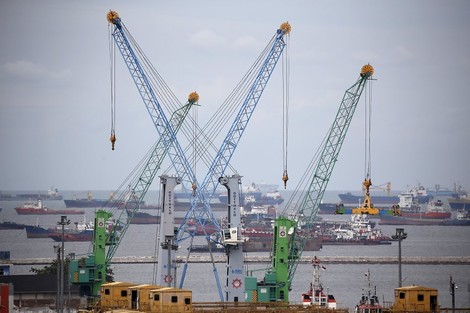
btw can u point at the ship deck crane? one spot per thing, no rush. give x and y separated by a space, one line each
293 231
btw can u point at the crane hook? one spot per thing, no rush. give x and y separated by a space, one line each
113 140
194 186
285 178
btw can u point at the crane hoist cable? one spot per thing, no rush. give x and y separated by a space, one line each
112 71
194 141
285 111
367 183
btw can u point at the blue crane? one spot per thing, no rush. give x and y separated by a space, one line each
178 159
93 271
293 231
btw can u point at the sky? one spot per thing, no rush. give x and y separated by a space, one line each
55 87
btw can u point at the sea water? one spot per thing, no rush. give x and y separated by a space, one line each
347 282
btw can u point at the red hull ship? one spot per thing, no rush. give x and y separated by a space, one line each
37 208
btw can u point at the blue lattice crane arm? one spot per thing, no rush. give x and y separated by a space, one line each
140 186
230 143
126 47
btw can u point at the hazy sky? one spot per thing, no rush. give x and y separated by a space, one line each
55 87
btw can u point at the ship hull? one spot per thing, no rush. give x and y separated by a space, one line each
348 198
400 220
33 211
83 236
459 204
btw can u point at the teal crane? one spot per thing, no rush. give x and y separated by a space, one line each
293 231
89 273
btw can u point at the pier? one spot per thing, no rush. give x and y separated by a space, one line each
218 258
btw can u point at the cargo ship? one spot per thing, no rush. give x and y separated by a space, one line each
257 194
79 228
37 208
419 193
82 236
51 194
90 202
434 210
462 202
11 225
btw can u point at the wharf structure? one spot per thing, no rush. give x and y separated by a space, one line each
221 258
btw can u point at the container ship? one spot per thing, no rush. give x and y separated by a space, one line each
37 208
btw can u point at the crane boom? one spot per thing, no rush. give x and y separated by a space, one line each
93 272
178 159
291 234
308 209
229 144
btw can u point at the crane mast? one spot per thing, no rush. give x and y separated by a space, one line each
291 233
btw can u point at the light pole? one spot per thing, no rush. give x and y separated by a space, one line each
57 301
452 292
63 221
399 235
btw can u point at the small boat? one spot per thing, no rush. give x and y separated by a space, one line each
316 294
38 208
369 302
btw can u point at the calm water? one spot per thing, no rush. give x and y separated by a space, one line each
346 282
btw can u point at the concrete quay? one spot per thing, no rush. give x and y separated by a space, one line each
218 258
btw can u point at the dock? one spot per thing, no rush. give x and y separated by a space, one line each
221 258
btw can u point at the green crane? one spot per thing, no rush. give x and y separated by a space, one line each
292 232
90 272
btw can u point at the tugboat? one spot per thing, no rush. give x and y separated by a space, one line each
316 295
369 302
